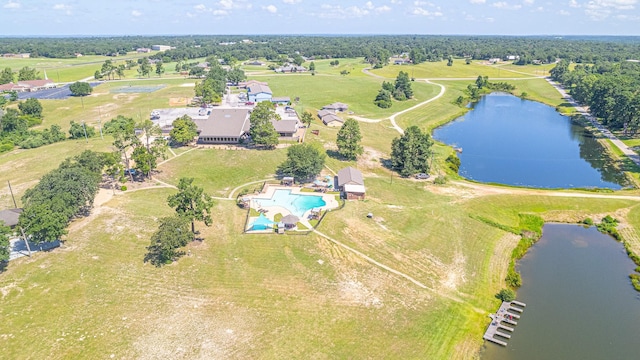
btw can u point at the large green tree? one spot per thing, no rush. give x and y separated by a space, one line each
27 73
80 88
31 107
306 118
192 203
172 234
184 130
159 68
5 251
410 152
304 161
348 140
403 86
6 76
262 130
61 195
124 137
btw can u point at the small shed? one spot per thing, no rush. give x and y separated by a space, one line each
290 221
354 192
287 181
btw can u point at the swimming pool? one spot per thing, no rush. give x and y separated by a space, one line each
297 204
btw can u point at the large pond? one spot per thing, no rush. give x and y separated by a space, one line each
507 140
580 301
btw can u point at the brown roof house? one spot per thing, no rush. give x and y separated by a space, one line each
330 118
231 126
224 126
351 183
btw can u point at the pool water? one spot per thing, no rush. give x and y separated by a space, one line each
297 204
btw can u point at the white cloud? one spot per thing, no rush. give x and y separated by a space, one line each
423 12
564 13
574 4
602 9
270 8
226 4
477 1
201 7
291 2
529 2
220 12
12 5
63 7
339 12
505 5
136 13
396 2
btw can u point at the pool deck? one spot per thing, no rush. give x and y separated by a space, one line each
329 199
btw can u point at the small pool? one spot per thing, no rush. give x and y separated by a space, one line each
297 204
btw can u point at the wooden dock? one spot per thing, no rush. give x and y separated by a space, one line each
504 315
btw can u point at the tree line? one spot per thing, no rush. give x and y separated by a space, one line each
611 90
374 48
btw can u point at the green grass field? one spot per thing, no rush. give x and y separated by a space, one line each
441 70
358 92
270 296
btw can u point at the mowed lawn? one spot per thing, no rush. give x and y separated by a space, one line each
220 171
359 92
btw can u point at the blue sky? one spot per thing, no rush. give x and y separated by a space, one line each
155 17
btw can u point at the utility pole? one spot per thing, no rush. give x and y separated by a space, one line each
15 205
100 122
84 127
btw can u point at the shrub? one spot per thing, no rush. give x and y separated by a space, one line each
440 180
513 278
453 162
588 221
123 188
507 295
635 281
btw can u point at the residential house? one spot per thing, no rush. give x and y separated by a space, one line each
281 100
143 50
258 92
290 69
351 184
337 106
255 63
10 217
330 118
246 84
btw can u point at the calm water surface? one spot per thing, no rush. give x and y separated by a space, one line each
512 141
580 302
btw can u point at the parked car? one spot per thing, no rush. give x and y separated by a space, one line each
249 103
422 176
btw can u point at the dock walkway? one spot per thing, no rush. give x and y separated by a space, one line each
505 314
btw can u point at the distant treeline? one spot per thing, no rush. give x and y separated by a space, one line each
611 90
429 48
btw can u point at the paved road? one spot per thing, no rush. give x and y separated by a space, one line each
584 112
